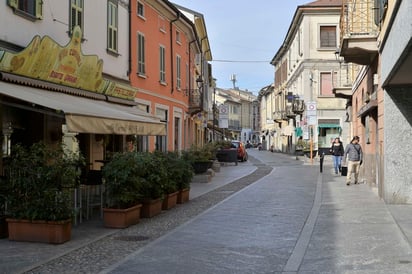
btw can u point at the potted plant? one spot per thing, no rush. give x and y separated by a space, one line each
200 158
153 177
122 190
42 178
180 173
3 223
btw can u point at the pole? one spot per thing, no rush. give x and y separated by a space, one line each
214 111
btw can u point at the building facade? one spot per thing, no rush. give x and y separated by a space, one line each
377 35
305 72
70 72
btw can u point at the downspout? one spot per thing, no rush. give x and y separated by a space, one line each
190 63
171 51
130 41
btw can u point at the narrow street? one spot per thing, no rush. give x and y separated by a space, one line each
284 216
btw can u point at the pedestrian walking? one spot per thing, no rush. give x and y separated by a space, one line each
354 155
337 152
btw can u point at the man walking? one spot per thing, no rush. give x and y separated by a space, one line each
353 152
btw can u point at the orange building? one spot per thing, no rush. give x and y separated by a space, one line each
164 54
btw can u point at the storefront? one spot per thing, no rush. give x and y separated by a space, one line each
56 94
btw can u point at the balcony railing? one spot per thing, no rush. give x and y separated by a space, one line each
358 31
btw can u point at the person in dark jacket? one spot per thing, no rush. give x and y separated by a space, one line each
353 152
337 152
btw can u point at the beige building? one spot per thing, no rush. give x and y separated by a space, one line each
306 70
241 122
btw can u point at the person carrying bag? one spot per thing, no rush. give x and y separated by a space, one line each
353 152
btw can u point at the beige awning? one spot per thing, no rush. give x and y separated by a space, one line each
85 115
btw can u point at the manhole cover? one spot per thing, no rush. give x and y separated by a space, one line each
131 238
404 262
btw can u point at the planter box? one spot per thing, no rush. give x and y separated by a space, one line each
201 167
3 227
170 201
227 155
151 208
183 196
121 218
57 232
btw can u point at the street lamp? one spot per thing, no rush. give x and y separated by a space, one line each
199 82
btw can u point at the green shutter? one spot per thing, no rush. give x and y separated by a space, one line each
39 9
13 3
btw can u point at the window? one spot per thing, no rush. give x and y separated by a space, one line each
178 37
162 24
32 9
140 9
112 26
76 14
141 66
380 10
162 57
328 37
161 141
178 72
326 84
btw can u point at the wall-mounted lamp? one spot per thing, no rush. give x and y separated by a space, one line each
199 82
337 55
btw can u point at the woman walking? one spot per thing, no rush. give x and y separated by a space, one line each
337 152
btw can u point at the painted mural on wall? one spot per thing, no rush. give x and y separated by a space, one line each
44 59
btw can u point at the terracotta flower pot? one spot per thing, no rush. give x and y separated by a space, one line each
53 232
151 208
121 218
170 200
183 196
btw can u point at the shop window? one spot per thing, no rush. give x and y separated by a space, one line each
31 9
112 26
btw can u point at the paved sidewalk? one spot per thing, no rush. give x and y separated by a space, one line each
277 225
313 224
19 257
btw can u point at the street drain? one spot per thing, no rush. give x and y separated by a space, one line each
404 262
131 238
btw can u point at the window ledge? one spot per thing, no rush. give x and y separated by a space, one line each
25 15
141 75
112 52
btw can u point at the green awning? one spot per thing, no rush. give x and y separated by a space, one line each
328 126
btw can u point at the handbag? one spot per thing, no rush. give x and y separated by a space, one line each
344 171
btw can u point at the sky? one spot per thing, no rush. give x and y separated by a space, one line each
244 36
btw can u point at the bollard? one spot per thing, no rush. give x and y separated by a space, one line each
322 156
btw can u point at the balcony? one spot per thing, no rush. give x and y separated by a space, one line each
342 85
279 116
358 31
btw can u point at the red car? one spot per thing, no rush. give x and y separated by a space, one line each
241 150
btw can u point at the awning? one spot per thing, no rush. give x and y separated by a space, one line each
328 126
85 115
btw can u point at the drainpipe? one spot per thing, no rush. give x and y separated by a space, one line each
130 41
171 51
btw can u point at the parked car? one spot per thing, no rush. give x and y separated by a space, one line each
241 150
